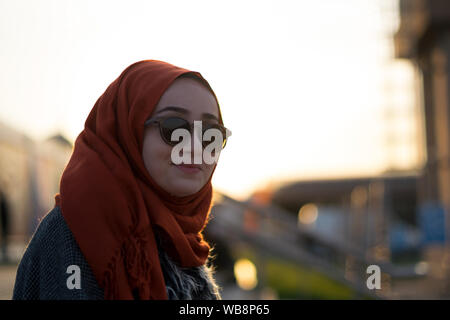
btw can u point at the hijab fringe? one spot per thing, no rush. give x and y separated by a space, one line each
134 254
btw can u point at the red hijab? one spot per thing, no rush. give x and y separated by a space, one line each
112 205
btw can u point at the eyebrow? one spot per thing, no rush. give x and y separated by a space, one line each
186 111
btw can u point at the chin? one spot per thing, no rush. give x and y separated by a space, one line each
184 191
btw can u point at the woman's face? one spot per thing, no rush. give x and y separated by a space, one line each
193 102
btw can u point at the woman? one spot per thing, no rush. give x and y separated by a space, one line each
128 219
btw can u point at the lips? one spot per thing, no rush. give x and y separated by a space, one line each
189 168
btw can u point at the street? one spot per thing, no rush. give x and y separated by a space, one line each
7 278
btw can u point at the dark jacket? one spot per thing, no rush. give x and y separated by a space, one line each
42 272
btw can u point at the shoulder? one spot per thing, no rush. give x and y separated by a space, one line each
48 237
50 230
52 237
46 264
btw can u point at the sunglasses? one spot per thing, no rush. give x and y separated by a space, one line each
168 125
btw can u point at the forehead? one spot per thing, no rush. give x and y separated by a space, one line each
189 94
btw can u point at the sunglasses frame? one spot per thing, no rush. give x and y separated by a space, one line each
191 126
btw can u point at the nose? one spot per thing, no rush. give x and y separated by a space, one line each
197 144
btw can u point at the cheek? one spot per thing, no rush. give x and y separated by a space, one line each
208 173
156 155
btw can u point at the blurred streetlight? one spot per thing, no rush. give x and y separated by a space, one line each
308 214
245 274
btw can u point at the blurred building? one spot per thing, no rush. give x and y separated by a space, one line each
15 171
362 211
29 177
423 37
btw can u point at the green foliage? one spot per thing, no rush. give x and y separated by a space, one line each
292 281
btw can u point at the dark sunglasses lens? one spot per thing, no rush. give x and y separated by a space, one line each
169 125
222 131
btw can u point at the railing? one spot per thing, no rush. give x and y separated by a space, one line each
277 231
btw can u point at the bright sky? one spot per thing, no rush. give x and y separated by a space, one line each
299 82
